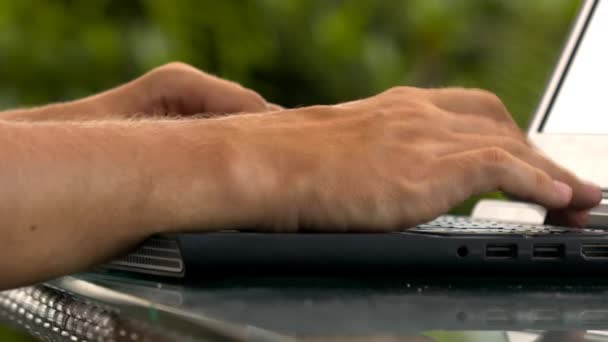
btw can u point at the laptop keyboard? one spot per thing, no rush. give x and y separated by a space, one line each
449 224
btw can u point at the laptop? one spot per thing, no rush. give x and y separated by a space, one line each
507 238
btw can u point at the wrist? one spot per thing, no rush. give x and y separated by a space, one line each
275 171
202 182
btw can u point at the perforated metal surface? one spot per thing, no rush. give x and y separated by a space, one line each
51 315
449 224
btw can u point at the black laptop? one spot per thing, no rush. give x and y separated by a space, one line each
570 125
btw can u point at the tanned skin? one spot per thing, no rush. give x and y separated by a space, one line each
82 181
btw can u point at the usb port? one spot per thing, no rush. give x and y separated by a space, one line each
548 251
501 251
595 251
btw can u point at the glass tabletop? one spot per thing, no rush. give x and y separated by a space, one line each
386 309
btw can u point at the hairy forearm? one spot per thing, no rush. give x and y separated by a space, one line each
75 194
174 89
80 110
111 104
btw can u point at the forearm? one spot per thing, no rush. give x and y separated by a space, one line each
68 111
74 195
105 105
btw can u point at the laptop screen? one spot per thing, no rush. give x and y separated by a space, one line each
581 103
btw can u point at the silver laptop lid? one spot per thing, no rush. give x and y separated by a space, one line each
571 122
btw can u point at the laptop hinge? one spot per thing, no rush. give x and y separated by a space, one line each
509 211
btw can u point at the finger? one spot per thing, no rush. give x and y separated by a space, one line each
185 90
584 196
470 101
491 169
274 107
569 218
479 125
223 96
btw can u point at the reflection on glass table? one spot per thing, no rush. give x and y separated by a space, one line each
383 309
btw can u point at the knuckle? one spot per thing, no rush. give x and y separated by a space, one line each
490 99
169 71
495 157
400 90
253 100
513 131
516 146
485 95
540 178
175 65
421 115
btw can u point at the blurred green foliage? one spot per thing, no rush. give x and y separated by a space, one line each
294 52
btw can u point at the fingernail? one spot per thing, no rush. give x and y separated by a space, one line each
563 190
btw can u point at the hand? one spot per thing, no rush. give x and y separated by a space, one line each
391 161
180 89
170 90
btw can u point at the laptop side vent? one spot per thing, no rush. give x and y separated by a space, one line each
158 255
